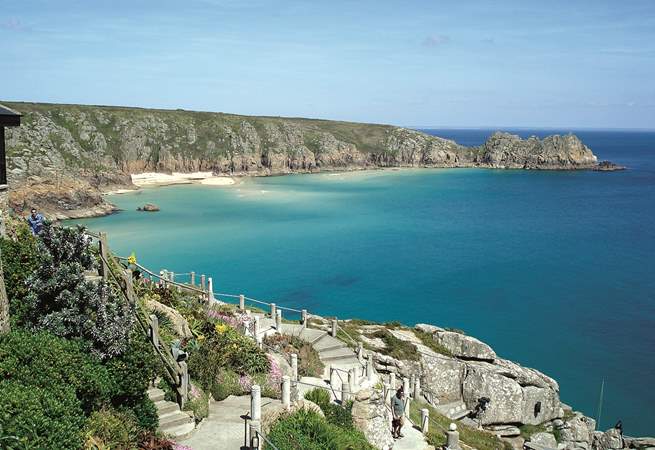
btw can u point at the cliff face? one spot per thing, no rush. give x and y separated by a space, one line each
81 150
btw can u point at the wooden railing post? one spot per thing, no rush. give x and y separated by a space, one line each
203 282
335 327
303 317
273 311
193 279
129 287
104 253
242 302
184 383
154 330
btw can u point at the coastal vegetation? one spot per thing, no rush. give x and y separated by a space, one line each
73 356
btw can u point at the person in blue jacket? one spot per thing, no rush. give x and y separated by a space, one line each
35 221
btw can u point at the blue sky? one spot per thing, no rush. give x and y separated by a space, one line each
440 63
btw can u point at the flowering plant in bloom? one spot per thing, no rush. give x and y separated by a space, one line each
195 392
220 328
131 259
245 381
274 373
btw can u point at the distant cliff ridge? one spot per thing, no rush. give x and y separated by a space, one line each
64 156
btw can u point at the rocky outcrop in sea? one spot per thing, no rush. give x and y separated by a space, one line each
82 151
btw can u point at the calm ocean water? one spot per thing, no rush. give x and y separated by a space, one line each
552 269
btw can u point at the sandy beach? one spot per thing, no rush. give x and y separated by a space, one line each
163 179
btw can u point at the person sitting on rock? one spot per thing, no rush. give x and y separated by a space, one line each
398 410
35 221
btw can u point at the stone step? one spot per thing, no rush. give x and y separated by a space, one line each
337 354
164 407
156 394
326 345
173 419
291 329
179 431
312 336
319 337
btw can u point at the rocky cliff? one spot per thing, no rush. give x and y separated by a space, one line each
64 156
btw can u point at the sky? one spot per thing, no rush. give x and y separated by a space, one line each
524 63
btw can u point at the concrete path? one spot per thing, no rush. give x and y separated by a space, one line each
413 439
225 426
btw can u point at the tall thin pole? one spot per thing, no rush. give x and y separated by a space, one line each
600 403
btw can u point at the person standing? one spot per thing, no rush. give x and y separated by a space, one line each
398 410
35 221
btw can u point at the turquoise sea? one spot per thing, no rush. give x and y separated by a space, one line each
555 270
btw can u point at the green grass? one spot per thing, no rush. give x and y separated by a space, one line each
428 341
529 430
472 437
395 347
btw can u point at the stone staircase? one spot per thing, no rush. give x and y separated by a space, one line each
172 421
331 351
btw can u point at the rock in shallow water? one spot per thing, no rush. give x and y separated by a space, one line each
148 207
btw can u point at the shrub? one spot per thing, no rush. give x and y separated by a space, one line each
339 415
224 384
307 430
62 302
144 412
20 259
227 350
133 370
40 418
309 362
198 403
112 429
319 396
44 360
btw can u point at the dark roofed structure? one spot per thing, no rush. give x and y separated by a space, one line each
8 118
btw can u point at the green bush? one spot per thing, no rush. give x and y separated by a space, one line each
20 259
44 360
61 301
226 351
112 429
225 383
198 403
40 418
144 412
306 430
133 370
339 415
319 396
